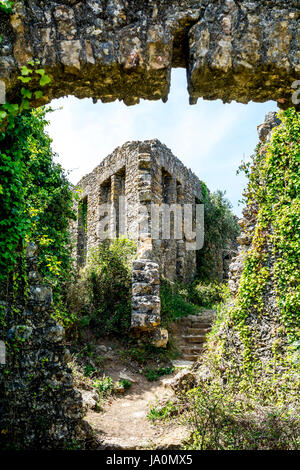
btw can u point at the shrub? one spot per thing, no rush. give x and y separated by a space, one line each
102 295
104 386
154 374
125 383
221 229
224 420
206 294
174 302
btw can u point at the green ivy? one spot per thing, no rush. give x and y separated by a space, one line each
20 131
6 5
36 201
221 229
274 187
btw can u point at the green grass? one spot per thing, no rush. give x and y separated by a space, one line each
154 374
162 413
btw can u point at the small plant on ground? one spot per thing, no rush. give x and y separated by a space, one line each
104 386
162 412
143 353
154 374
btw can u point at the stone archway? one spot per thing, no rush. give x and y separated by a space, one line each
116 49
119 49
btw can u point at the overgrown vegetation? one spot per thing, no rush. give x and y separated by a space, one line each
247 397
35 196
101 296
35 203
221 419
274 185
26 163
179 301
154 374
174 302
221 229
162 412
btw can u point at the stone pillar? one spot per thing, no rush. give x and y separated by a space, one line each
145 273
145 295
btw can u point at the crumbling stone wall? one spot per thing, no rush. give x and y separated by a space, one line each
145 173
249 219
39 408
119 49
266 327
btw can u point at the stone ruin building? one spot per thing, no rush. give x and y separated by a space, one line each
136 176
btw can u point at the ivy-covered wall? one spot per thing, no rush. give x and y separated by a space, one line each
260 333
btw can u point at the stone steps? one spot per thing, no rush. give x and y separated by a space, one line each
201 325
190 357
197 331
190 334
194 338
192 349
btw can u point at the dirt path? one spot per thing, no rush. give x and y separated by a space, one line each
123 424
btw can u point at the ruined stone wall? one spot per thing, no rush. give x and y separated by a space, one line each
39 408
249 220
138 171
103 186
119 49
145 173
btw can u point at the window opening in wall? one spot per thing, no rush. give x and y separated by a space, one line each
82 231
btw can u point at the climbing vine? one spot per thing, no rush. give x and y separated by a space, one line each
19 129
36 201
6 5
273 194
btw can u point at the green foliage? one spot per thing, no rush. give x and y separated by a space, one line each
82 213
126 384
221 229
101 297
163 412
206 294
274 185
105 386
144 353
20 132
89 370
223 420
204 192
6 6
36 204
154 374
180 301
174 302
250 402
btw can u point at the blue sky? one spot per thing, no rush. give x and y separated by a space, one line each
210 138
